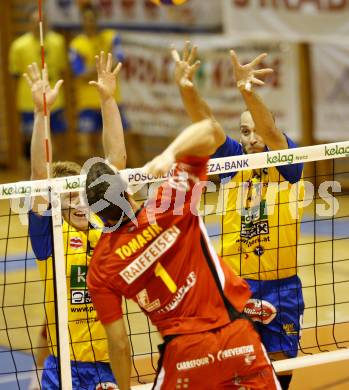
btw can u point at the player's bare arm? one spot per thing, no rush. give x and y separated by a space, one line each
38 83
113 134
246 77
119 352
185 70
199 139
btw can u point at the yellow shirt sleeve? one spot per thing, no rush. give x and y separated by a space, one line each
14 60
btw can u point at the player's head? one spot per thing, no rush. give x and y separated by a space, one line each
250 140
106 193
73 210
89 19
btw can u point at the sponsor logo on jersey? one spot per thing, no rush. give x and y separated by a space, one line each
106 386
75 242
254 221
144 301
259 251
78 276
80 297
180 294
233 352
194 363
139 241
182 383
260 311
154 251
79 293
289 329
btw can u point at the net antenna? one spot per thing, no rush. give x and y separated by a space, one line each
43 71
58 260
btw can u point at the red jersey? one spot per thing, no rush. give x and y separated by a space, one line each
167 263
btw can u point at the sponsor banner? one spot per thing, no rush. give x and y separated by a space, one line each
215 166
195 15
297 20
153 102
330 70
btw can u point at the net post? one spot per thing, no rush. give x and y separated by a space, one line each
63 343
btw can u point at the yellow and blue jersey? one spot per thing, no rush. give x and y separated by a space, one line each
26 50
82 52
88 338
261 222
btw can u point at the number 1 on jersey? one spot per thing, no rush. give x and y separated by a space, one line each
165 277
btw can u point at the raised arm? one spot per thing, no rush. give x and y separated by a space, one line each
199 139
113 134
246 76
185 69
38 148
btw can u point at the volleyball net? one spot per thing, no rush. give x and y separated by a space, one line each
317 233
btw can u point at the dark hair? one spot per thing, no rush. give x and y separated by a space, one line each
65 168
111 191
89 8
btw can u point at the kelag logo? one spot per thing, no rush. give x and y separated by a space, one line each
74 184
78 292
9 190
287 157
337 151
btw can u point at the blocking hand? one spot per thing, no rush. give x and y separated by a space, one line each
106 82
38 84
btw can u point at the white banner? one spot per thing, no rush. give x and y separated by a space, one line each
153 102
330 70
136 177
288 19
195 15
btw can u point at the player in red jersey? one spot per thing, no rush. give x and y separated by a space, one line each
160 256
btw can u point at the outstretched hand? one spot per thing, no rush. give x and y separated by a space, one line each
106 83
247 75
187 66
161 164
38 84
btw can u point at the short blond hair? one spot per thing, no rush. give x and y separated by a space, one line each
65 168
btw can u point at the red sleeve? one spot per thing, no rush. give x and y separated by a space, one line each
196 166
107 302
176 192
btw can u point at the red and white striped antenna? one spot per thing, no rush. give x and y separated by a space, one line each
46 118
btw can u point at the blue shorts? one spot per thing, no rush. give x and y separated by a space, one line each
90 121
85 375
57 122
277 308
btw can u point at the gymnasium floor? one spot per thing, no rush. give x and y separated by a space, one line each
22 311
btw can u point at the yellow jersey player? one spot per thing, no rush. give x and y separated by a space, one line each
90 361
261 223
82 51
24 51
